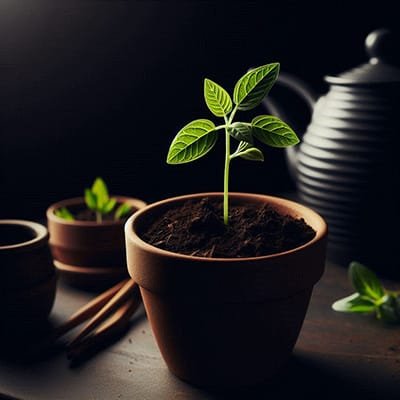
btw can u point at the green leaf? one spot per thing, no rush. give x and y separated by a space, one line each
90 200
217 98
388 313
252 154
123 210
365 281
252 87
109 206
64 213
241 131
355 304
99 188
273 132
248 152
193 141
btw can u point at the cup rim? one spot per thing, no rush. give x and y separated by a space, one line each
40 231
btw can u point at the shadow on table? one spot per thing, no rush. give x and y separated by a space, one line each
29 344
32 344
306 377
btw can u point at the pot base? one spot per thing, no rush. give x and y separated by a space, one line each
231 388
224 345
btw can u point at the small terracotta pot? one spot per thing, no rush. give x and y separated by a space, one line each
225 321
30 306
28 278
88 253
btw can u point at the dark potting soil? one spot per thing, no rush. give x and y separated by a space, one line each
197 228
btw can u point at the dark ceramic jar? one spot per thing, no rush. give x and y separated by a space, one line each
347 166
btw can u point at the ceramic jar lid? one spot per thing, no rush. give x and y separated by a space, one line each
381 48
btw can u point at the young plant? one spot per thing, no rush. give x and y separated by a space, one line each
64 213
98 200
370 297
198 137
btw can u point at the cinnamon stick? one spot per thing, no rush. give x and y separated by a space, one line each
113 304
111 328
88 310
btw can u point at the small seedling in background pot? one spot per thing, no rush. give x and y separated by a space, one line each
98 200
122 211
198 137
65 214
370 297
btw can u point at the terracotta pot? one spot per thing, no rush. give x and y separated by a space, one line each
88 253
29 306
28 278
225 321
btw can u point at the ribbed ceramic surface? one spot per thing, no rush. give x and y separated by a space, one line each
348 170
347 165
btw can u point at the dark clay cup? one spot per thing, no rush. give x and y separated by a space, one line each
87 253
225 321
28 278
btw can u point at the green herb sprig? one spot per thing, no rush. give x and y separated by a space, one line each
198 137
98 200
370 297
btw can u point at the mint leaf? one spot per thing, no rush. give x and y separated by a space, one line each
90 200
388 311
354 303
273 132
241 131
371 296
217 98
99 188
388 314
64 213
193 141
252 87
365 281
123 210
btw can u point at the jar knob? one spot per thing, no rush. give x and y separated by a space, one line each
380 46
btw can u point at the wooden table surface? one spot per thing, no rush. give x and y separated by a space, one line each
335 355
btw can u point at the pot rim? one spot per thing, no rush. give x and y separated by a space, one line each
135 202
40 231
319 225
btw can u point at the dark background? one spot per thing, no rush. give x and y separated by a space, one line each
93 88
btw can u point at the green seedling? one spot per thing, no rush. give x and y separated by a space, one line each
370 297
122 211
198 137
98 200
65 214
